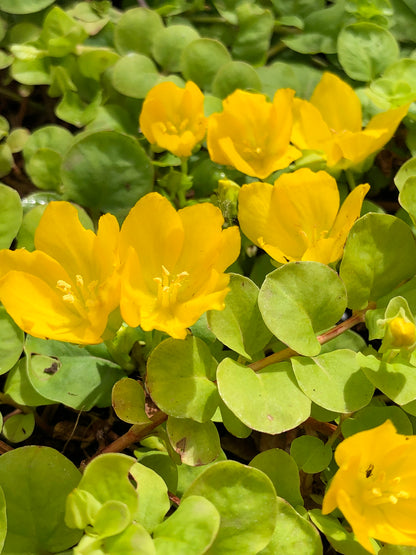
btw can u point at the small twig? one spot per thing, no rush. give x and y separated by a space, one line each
135 434
174 498
355 319
4 448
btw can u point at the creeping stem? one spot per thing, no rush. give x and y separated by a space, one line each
136 433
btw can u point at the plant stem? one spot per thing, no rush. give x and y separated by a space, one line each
135 434
350 180
355 319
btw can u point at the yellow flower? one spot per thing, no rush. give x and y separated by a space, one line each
332 123
298 217
375 486
69 286
173 118
175 263
402 332
253 134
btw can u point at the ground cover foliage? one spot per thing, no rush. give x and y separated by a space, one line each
204 347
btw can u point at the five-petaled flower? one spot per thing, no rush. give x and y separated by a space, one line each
331 122
174 264
252 134
173 118
299 218
375 486
69 287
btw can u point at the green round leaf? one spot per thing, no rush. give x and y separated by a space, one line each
162 464
11 213
196 443
17 139
269 401
278 75
201 60
235 75
36 482
24 6
107 171
44 168
93 63
136 30
169 44
372 264
293 534
191 529
341 540
153 496
282 470
299 300
240 325
32 72
75 378
334 381
187 368
407 170
371 417
6 159
112 518
106 478
134 75
397 380
232 423
26 236
20 389
255 28
238 492
365 50
18 427
11 342
407 197
311 454
3 516
129 401
52 137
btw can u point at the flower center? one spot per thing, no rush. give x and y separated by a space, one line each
169 286
381 490
253 152
175 129
82 297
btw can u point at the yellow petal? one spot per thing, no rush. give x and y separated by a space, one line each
154 229
254 202
325 250
349 212
61 235
304 207
229 155
206 244
310 132
358 522
138 291
358 146
338 104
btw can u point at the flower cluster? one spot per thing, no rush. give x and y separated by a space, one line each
162 270
254 135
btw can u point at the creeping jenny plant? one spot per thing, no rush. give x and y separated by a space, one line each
185 314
